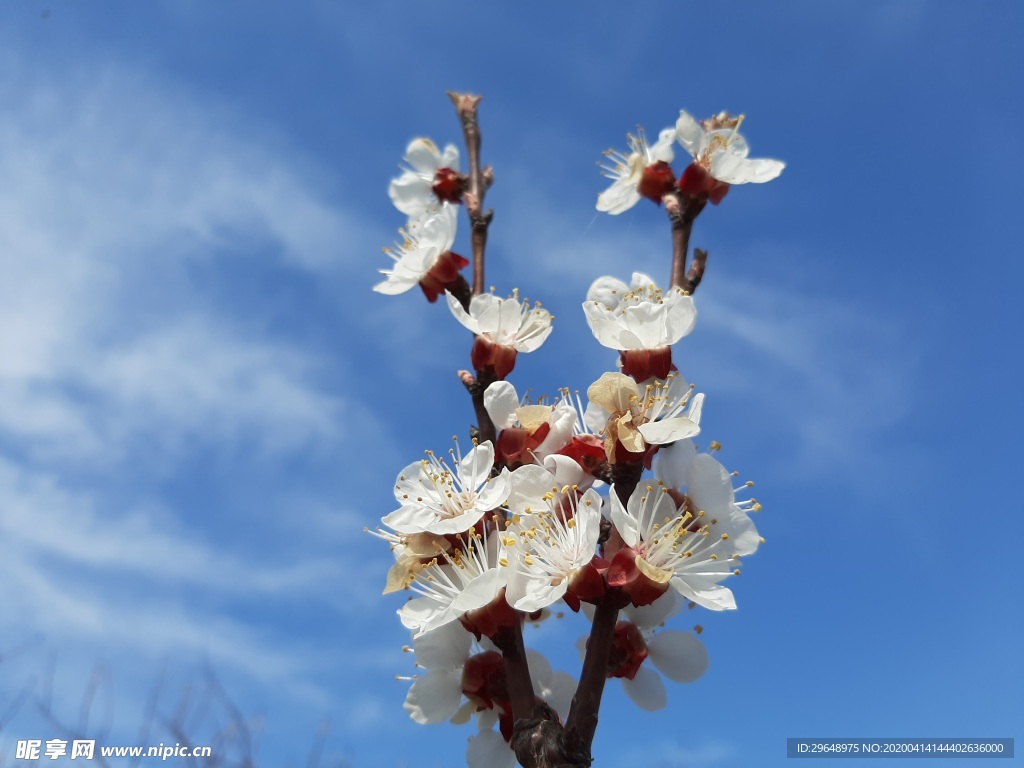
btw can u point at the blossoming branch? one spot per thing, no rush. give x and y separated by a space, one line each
606 506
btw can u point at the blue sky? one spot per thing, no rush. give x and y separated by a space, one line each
202 403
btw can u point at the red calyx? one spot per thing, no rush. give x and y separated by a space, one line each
641 364
656 180
511 445
628 651
585 450
624 575
442 275
448 185
625 456
491 619
483 681
515 444
586 584
486 354
697 182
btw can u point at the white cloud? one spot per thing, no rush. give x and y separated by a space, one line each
122 193
43 520
114 184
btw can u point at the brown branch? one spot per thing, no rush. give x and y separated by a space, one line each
479 180
696 272
539 743
476 386
582 721
517 671
682 212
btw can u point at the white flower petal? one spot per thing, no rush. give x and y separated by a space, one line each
480 591
501 402
411 194
668 430
495 491
689 132
696 406
450 157
444 648
423 155
681 316
540 593
435 696
705 594
562 421
408 481
412 518
534 328
734 169
625 523
607 291
465 318
646 323
646 690
709 484
488 750
540 668
662 149
486 308
529 484
729 141
475 466
619 197
653 615
418 612
672 464
566 471
560 692
608 328
679 656
588 518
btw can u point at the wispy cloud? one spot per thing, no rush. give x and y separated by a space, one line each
113 187
117 362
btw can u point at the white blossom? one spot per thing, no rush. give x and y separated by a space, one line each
425 241
639 315
692 552
505 322
436 500
413 193
553 535
550 427
710 487
719 149
456 582
628 172
637 415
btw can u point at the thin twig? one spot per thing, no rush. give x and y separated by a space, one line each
476 385
479 179
682 212
517 671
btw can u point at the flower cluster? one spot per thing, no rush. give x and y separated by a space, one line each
719 159
428 192
550 506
